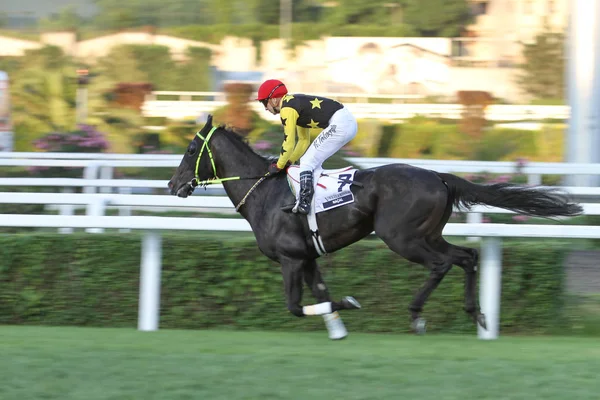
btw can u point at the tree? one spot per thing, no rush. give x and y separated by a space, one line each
361 12
3 19
121 65
43 93
67 18
195 73
43 100
437 18
542 73
115 14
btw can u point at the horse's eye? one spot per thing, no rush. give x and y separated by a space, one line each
191 150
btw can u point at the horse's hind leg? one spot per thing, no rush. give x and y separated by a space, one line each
314 280
467 259
418 250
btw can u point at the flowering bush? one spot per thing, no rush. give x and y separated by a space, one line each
85 139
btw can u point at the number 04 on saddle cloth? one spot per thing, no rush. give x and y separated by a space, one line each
332 187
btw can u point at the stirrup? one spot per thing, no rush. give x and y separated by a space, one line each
295 208
288 207
298 209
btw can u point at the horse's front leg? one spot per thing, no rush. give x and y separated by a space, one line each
314 280
293 272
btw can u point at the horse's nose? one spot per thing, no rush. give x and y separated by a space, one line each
171 186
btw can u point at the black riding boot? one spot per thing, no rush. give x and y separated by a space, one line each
306 193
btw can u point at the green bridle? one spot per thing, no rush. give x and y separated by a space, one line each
196 180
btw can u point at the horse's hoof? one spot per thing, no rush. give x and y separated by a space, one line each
418 326
335 326
481 320
350 303
338 337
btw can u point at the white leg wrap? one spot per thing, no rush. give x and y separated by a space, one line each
317 309
335 326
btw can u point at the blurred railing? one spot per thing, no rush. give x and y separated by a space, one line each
182 105
160 95
98 172
102 165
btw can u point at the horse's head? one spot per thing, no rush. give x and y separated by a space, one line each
197 163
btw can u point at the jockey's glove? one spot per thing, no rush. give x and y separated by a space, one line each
273 169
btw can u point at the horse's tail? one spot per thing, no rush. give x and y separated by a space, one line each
532 201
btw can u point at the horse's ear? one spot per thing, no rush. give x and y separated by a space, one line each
209 120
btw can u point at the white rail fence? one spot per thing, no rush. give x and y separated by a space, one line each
98 169
491 246
99 165
346 97
185 106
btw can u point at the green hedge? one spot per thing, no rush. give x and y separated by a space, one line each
93 280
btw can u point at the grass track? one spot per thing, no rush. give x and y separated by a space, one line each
91 364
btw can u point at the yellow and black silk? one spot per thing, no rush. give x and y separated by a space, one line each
299 113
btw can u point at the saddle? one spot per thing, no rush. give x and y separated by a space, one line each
332 190
332 187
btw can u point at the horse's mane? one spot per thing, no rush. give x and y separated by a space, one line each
237 139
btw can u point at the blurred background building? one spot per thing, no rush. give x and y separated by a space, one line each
482 57
500 26
404 51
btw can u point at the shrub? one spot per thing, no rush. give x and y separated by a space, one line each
131 95
93 280
474 103
421 137
86 139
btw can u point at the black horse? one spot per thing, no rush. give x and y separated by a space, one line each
406 206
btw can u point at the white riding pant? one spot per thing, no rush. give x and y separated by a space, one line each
342 129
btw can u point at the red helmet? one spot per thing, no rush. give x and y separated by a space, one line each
272 88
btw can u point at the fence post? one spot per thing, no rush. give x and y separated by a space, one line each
474 218
490 287
96 208
149 302
125 211
66 209
534 179
90 172
106 172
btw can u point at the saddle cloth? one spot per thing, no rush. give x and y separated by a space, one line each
332 188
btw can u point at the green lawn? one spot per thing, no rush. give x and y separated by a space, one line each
90 363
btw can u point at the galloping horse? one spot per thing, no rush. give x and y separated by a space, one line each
407 207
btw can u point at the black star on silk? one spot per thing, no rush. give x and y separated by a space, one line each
283 121
284 137
283 150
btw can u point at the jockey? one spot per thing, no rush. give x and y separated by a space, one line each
298 113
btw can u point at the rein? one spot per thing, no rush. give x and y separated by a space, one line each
195 182
258 182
